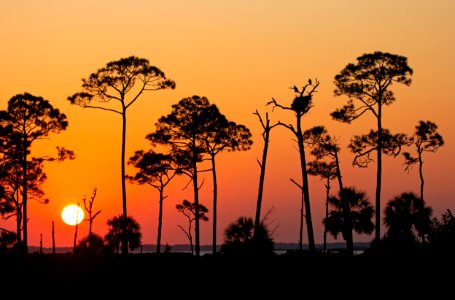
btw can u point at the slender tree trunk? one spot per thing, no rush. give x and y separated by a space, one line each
40 243
349 239
348 227
345 202
196 201
378 176
125 215
190 237
160 221
215 196
306 192
422 182
337 163
24 195
19 224
327 196
75 235
301 221
257 219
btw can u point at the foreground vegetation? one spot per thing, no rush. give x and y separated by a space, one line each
234 276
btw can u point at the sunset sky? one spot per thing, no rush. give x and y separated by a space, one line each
239 54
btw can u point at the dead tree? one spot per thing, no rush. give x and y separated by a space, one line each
266 137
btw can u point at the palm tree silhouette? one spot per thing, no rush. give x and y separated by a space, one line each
240 231
350 211
92 244
406 218
240 238
114 235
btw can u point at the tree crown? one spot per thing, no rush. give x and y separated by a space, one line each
117 79
368 81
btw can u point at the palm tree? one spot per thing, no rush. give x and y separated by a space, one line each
114 235
240 238
350 211
92 244
240 231
406 218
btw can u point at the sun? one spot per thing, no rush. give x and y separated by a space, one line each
72 214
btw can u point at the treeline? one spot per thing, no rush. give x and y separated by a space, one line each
196 131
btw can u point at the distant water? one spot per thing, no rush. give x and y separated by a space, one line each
280 248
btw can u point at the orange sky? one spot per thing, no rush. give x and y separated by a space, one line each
238 54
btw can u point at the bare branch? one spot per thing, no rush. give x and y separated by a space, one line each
260 164
102 108
276 104
186 233
293 181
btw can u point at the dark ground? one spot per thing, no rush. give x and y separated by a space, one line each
287 276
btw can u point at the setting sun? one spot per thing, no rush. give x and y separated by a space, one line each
72 214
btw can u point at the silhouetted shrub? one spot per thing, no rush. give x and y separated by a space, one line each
92 244
442 233
239 239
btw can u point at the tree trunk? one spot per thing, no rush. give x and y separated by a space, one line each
348 228
190 238
378 176
327 196
125 215
422 182
301 222
196 201
160 221
421 175
349 240
257 219
215 195
18 221
75 235
24 195
349 236
337 163
306 192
